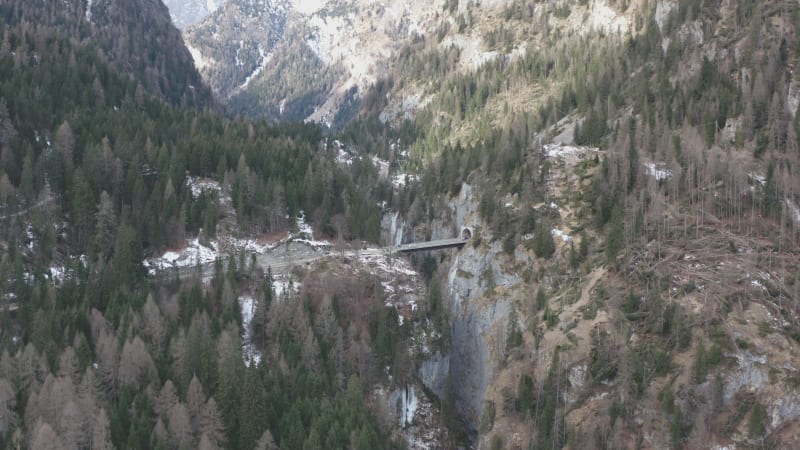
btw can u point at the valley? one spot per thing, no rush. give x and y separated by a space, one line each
521 224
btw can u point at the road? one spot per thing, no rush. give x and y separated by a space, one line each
283 259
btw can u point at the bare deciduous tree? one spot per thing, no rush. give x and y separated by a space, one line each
44 438
101 436
211 424
179 427
155 328
136 367
72 426
68 364
8 402
266 442
167 398
195 400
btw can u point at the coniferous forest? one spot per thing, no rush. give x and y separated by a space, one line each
98 138
627 172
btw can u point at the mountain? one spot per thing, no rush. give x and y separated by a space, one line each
236 43
288 60
189 12
296 60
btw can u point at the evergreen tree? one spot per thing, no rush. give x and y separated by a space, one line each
128 256
252 412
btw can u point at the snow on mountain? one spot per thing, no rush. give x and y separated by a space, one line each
188 12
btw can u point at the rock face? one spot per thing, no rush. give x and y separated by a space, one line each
478 316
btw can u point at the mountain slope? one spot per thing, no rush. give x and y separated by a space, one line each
636 201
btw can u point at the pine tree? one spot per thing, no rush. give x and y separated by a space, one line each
252 412
614 235
128 256
81 210
543 244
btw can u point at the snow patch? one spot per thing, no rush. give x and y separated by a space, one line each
407 403
200 62
343 158
57 273
663 10
657 171
265 59
89 10
249 351
195 253
568 153
302 226
561 235
305 234
757 178
400 180
284 288
308 7
605 18
794 210
199 185
377 258
30 237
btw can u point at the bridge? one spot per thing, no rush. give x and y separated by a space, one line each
430 245
466 235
